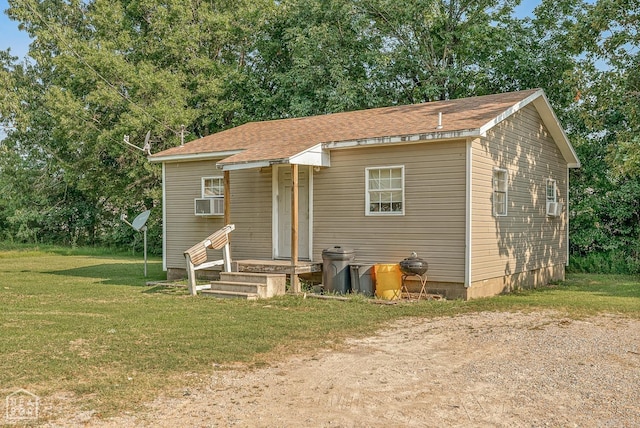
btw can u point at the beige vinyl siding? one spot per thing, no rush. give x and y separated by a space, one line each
183 183
250 211
433 223
525 239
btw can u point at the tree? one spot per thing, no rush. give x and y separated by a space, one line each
101 70
435 49
312 57
605 221
613 29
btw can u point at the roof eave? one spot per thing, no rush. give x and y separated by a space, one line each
555 129
245 165
511 111
188 157
421 137
550 120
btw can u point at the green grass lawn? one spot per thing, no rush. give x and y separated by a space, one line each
85 323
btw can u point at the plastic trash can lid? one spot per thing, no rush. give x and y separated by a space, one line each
338 250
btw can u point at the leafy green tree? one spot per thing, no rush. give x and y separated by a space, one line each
539 51
101 70
605 222
614 29
312 57
435 49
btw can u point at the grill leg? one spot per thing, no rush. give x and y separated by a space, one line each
423 281
404 289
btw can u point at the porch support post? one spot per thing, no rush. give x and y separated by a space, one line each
227 198
295 282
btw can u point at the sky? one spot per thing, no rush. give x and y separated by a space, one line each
18 41
10 36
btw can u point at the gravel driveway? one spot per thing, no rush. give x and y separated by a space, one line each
487 369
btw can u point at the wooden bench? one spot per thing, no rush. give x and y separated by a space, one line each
197 256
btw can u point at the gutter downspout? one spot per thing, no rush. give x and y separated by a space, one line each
468 214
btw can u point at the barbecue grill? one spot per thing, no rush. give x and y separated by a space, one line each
414 266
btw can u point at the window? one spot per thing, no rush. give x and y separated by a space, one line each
212 201
552 193
212 187
500 182
385 190
553 207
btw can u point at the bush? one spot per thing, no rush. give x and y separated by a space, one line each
611 262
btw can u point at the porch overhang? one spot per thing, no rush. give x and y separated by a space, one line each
313 156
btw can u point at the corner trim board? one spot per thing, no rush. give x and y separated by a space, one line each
468 213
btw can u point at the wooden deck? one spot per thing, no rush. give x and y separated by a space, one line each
275 266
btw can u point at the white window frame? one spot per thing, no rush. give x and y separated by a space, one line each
500 188
389 188
552 207
204 187
554 190
218 198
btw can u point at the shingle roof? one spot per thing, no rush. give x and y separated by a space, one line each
281 139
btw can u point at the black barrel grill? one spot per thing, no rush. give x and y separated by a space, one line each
414 266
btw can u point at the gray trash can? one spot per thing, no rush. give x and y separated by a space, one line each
336 276
361 279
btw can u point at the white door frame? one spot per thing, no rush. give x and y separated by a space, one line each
303 253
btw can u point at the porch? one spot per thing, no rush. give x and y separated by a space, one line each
302 268
276 266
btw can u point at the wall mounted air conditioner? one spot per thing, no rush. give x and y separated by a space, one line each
208 206
554 209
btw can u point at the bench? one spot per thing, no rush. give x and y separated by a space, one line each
197 259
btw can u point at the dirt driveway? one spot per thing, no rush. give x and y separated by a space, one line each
487 369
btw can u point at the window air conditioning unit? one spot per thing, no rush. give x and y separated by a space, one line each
208 206
554 209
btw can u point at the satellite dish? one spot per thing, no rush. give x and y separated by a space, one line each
147 145
140 220
139 225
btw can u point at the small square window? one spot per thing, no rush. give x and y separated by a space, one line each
212 187
212 201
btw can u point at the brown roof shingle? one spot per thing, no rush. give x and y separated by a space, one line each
281 139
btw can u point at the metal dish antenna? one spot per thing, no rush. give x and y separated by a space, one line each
140 224
147 144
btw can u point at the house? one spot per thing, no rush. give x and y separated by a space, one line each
478 187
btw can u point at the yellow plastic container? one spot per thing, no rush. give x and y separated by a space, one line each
388 281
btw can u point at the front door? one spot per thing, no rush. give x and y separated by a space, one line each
282 235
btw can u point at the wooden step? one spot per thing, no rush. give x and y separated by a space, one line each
266 285
241 287
247 285
229 294
258 278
